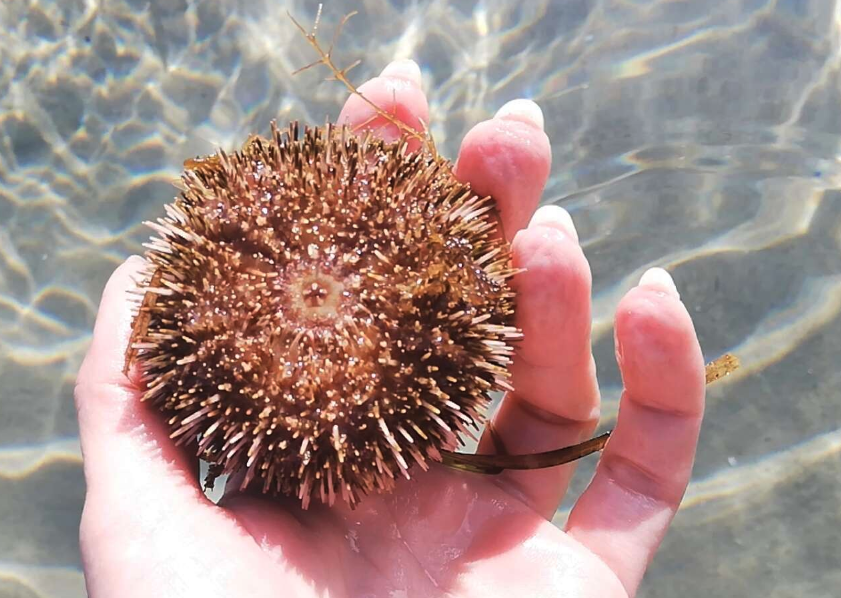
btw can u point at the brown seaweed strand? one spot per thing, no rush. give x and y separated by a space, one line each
326 58
494 464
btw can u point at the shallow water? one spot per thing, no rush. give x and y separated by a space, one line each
703 137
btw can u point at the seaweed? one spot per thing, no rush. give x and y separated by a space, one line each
325 58
494 464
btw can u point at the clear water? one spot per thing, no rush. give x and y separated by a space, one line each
699 136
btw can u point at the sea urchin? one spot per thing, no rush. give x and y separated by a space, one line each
324 311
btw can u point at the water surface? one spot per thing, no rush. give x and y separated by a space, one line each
698 136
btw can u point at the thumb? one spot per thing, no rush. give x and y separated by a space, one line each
125 445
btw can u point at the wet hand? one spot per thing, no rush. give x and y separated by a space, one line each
148 529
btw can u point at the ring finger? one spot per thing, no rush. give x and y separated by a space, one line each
555 402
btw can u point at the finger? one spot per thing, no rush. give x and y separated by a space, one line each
556 398
640 480
397 92
126 447
508 157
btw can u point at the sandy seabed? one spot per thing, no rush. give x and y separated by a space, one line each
702 137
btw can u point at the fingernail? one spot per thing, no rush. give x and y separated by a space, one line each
555 217
522 110
406 69
660 279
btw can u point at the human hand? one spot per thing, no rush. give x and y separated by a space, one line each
148 529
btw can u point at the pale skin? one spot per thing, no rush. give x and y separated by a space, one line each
148 530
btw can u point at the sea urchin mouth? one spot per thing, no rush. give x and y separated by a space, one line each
328 311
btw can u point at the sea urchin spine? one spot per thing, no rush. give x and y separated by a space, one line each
324 312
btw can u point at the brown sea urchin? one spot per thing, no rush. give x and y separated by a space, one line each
324 311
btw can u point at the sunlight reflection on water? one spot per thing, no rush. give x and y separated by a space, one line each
702 137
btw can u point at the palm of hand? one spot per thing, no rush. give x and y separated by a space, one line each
148 529
445 533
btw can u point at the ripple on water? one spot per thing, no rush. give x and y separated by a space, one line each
703 137
43 490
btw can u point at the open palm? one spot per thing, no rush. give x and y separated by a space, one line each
148 530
